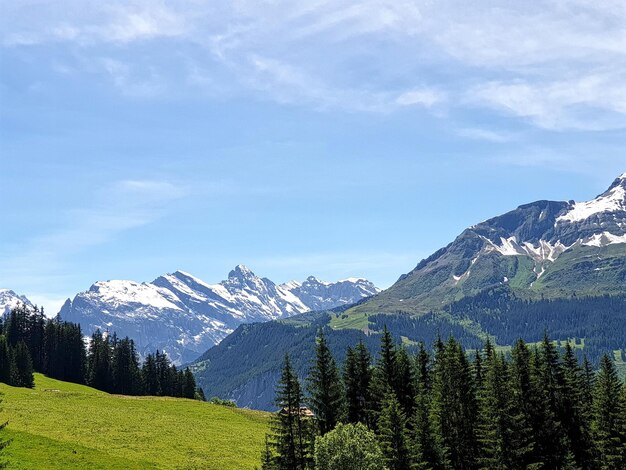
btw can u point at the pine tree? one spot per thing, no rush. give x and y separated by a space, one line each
608 425
423 368
150 377
383 376
502 433
292 434
5 361
125 372
16 326
189 384
164 374
21 366
479 373
572 410
357 378
423 447
524 394
393 436
325 388
404 381
268 460
99 374
35 327
453 409
544 402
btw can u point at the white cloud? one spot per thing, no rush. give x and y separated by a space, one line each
557 65
422 97
593 101
486 134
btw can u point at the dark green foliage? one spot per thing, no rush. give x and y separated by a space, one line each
453 409
357 377
573 411
249 360
125 372
21 366
150 377
5 360
404 381
534 409
188 384
268 461
392 434
99 366
57 349
292 431
424 450
325 388
608 418
552 438
504 434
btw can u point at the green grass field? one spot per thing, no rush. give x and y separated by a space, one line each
63 425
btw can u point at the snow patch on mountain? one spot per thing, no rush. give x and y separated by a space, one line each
611 201
9 300
184 316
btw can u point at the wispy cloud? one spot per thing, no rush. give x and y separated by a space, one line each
489 135
556 65
123 206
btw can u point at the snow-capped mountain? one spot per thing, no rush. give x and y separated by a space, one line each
10 300
555 248
184 316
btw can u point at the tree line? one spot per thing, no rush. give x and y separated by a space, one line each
29 342
535 407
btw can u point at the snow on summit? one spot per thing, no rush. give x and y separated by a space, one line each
9 300
183 315
611 201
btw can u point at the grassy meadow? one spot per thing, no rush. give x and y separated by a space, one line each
63 425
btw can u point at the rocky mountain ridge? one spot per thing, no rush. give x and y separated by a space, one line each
184 316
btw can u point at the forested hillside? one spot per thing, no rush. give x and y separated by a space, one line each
245 366
445 409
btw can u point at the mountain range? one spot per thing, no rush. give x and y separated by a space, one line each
184 316
555 265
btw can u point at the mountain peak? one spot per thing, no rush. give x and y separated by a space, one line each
610 201
241 271
9 300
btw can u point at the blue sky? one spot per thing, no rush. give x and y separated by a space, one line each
329 138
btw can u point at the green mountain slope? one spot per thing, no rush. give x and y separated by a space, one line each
552 265
63 425
245 366
545 249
